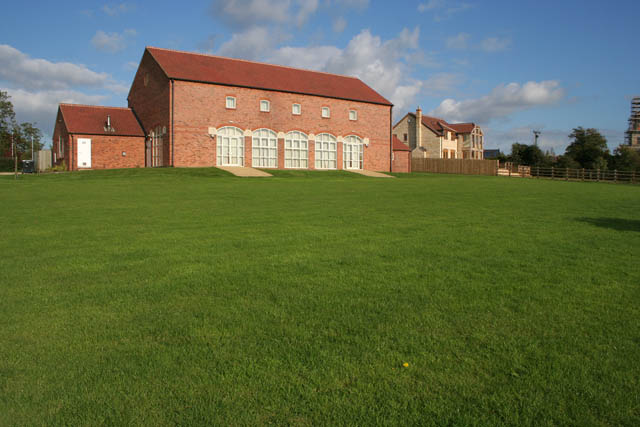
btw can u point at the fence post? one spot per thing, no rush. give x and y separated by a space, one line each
566 174
598 174
583 174
552 172
537 171
633 176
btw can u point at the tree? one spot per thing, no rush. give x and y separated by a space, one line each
588 149
529 155
626 158
7 123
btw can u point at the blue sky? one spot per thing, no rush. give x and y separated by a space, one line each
509 66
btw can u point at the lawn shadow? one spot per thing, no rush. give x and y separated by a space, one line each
619 224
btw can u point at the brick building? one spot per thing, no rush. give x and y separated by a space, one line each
92 137
201 110
434 138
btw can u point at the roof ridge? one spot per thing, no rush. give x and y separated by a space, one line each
94 106
208 55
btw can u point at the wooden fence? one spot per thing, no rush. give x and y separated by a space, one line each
567 174
458 166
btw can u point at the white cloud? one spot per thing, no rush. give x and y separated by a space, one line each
495 44
339 24
112 42
252 43
41 106
33 73
459 41
249 13
503 101
441 83
356 4
117 9
443 9
311 58
37 86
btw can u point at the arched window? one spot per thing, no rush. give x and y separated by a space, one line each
353 152
265 149
296 150
230 146
326 151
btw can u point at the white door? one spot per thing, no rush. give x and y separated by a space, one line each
230 147
84 153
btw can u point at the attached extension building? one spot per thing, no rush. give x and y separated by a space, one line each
197 110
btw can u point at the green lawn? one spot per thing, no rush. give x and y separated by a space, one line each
168 296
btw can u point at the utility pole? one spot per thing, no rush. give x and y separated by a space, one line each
15 156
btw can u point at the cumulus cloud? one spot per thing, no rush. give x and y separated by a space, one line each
112 42
503 101
117 9
33 73
41 106
495 44
443 9
252 43
459 41
36 86
441 83
250 13
339 24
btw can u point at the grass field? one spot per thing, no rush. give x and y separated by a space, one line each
168 296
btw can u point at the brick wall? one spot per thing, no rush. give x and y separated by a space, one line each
402 161
151 102
199 106
106 151
60 130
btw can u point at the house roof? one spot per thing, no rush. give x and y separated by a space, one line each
399 145
438 125
463 127
92 120
236 72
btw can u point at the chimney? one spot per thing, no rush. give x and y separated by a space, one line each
418 127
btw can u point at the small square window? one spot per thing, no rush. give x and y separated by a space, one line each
326 113
265 106
353 115
296 109
231 102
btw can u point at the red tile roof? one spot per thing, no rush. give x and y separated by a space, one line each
92 120
236 72
463 127
399 145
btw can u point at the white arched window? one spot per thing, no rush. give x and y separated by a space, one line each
296 150
230 146
265 149
353 152
326 151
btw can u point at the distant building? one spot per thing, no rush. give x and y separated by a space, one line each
434 138
632 136
491 154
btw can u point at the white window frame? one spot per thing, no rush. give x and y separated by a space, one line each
326 146
296 150
264 149
230 102
326 112
265 106
353 115
235 135
293 109
348 152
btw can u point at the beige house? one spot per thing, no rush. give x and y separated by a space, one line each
432 137
470 140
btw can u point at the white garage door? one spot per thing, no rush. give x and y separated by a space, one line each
84 153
